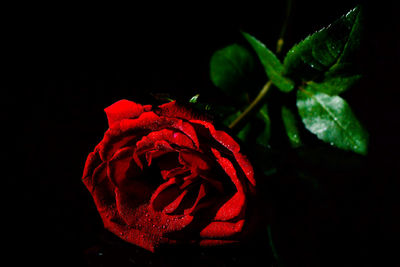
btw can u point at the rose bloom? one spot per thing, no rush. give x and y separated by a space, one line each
164 175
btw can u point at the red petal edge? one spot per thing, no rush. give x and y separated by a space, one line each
124 109
174 110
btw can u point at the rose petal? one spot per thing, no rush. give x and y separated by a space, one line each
188 180
246 167
215 183
187 129
122 166
133 236
101 188
166 174
164 194
228 167
174 204
124 109
193 160
92 162
174 110
160 148
232 208
148 228
222 229
222 137
167 135
200 196
127 130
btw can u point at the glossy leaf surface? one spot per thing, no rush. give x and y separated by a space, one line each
272 66
322 55
331 120
290 123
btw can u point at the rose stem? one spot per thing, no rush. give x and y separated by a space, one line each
253 105
280 42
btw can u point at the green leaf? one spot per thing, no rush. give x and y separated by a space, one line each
335 85
290 123
331 119
194 99
273 67
265 134
354 40
229 67
320 54
244 132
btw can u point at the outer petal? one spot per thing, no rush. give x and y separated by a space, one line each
124 109
92 162
228 142
246 167
96 181
232 208
222 137
174 110
146 227
222 229
121 166
227 166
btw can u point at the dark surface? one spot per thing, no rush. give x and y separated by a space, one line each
65 65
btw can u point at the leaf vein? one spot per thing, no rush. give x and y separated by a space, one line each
335 120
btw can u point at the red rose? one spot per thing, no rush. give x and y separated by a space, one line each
164 175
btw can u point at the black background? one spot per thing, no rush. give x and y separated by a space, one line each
62 65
